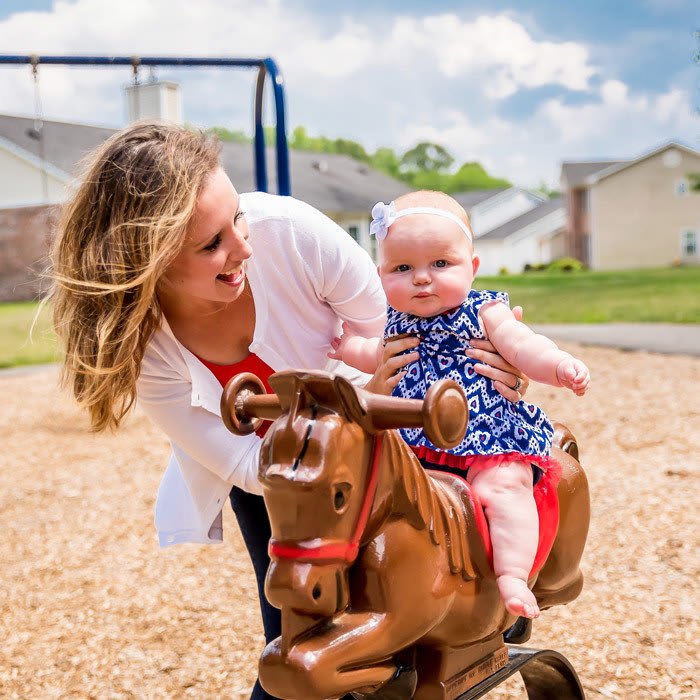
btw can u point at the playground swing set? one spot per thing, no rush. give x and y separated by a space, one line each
265 67
356 629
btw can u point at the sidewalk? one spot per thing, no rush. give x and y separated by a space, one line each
667 338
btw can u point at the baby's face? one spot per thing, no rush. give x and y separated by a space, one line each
426 265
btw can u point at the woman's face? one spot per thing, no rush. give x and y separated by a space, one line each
211 265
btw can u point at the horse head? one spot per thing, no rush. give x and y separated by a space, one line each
319 471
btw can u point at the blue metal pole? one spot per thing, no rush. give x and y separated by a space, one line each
130 60
283 180
259 138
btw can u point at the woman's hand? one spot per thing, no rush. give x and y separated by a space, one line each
389 372
508 381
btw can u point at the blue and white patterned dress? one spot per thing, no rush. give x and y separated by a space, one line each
496 425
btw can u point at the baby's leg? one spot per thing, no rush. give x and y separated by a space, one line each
506 494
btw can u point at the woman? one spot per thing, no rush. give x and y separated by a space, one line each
167 282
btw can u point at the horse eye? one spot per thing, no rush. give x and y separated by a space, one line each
338 500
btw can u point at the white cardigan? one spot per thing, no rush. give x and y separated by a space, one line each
306 276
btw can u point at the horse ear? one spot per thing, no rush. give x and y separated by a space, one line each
352 403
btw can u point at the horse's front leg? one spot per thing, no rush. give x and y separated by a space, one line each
398 604
310 669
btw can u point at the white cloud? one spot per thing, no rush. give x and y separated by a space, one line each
494 48
620 113
392 82
613 123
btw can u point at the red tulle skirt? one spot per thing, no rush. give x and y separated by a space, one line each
475 463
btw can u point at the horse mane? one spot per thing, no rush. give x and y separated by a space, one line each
426 503
430 504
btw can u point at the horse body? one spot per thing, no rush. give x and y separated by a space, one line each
372 555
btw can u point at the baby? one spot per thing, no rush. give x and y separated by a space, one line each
427 265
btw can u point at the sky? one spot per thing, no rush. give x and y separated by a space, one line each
518 86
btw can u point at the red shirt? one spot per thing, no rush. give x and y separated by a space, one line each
252 364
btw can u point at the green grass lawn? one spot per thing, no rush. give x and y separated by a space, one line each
665 295
669 295
16 346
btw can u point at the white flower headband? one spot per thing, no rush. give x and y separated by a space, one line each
384 215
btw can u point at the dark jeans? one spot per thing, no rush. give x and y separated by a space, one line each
255 528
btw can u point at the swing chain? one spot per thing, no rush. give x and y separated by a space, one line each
38 119
135 63
37 130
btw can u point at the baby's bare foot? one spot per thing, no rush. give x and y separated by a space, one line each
517 597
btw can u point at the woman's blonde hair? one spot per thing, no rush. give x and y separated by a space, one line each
117 235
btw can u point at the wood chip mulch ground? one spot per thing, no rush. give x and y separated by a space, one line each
91 608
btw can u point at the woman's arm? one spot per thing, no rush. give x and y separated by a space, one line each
341 272
390 370
345 277
166 399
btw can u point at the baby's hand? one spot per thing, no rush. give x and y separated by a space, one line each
338 344
572 373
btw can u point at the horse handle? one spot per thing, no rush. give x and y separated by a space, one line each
443 414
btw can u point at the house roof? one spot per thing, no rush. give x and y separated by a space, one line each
329 182
64 143
472 198
575 173
549 206
332 183
617 167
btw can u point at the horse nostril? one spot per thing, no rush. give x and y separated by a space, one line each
316 593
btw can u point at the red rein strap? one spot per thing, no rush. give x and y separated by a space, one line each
345 551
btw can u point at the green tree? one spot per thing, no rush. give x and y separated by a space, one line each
300 139
425 166
426 156
386 161
545 190
353 149
472 176
225 134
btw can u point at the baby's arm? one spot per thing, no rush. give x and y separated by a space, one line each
532 353
361 353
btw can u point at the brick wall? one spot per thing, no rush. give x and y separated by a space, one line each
24 247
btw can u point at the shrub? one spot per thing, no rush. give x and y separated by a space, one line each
537 267
503 271
566 265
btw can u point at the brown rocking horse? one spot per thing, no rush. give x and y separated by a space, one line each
378 564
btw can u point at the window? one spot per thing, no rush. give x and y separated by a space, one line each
373 247
354 231
682 188
689 244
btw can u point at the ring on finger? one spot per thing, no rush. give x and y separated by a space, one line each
518 384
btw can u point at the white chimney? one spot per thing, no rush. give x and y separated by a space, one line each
161 99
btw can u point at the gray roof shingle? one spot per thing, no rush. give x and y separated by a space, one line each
64 143
472 198
575 173
329 182
519 222
332 183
